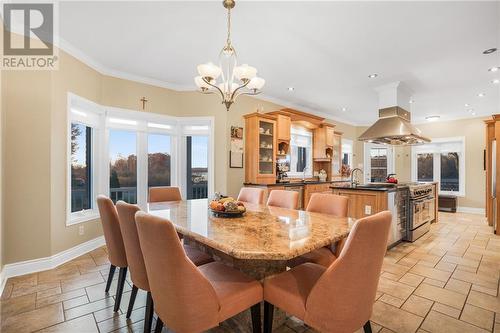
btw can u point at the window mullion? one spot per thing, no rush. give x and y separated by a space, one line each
142 169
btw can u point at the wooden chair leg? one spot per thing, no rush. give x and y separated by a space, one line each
368 327
268 317
133 295
110 277
119 289
159 325
256 321
148 316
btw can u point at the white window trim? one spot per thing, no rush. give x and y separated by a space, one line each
298 130
437 165
136 121
349 143
92 117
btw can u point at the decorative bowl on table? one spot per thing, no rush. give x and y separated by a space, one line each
226 207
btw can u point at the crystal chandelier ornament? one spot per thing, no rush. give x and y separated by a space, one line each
235 80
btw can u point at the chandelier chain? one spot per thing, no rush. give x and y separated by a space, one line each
228 41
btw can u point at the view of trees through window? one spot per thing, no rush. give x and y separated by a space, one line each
197 167
80 167
450 172
425 167
159 159
123 166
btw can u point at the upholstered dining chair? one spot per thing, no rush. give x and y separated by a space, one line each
251 195
164 193
338 298
325 203
283 199
189 298
135 259
114 244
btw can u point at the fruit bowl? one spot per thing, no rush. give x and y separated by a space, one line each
226 207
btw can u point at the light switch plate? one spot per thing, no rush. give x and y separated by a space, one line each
81 230
368 210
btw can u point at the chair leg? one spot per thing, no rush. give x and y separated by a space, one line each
132 301
268 317
256 321
368 327
148 316
159 325
119 289
110 277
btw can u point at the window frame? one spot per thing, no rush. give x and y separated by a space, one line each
391 161
437 163
87 113
302 131
350 152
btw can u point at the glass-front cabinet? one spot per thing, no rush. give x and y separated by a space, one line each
260 148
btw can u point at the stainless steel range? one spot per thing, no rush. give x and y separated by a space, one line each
421 210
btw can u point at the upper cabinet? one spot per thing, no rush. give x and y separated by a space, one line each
284 123
260 148
323 140
336 153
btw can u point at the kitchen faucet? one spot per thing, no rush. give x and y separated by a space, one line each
353 182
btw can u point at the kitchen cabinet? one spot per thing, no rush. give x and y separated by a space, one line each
284 123
260 148
336 153
323 138
309 189
363 203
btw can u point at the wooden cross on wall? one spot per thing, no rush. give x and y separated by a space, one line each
143 100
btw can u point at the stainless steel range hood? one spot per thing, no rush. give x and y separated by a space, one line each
394 124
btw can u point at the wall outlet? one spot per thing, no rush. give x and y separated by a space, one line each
81 230
368 210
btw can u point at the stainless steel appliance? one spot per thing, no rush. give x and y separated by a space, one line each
397 201
421 210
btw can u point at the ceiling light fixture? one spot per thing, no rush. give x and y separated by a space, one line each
411 101
495 81
246 76
471 110
488 51
432 118
372 76
466 105
344 109
291 88
473 113
493 69
481 95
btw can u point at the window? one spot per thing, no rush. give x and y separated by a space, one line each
379 162
347 152
197 167
122 166
300 155
159 160
81 167
441 161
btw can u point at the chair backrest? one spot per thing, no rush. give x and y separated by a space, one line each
327 203
350 283
283 199
252 195
135 259
164 193
112 233
184 299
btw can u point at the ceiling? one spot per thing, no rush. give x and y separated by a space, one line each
325 50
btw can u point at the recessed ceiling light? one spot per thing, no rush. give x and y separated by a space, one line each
411 101
372 76
495 81
493 69
471 110
473 113
344 109
488 51
432 118
291 88
481 95
466 105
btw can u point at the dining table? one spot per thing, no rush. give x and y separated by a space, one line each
260 242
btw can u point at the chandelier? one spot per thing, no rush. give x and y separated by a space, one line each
235 80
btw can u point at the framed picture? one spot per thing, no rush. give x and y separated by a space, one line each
235 159
236 132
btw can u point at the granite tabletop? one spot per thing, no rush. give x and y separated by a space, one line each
263 232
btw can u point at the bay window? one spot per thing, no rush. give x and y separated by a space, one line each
122 153
441 161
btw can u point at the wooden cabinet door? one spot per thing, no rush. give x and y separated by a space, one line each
319 143
284 125
330 136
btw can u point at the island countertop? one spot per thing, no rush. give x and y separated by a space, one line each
263 232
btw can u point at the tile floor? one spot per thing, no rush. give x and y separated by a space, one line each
447 281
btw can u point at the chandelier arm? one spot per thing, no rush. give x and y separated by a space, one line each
212 85
233 95
253 93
